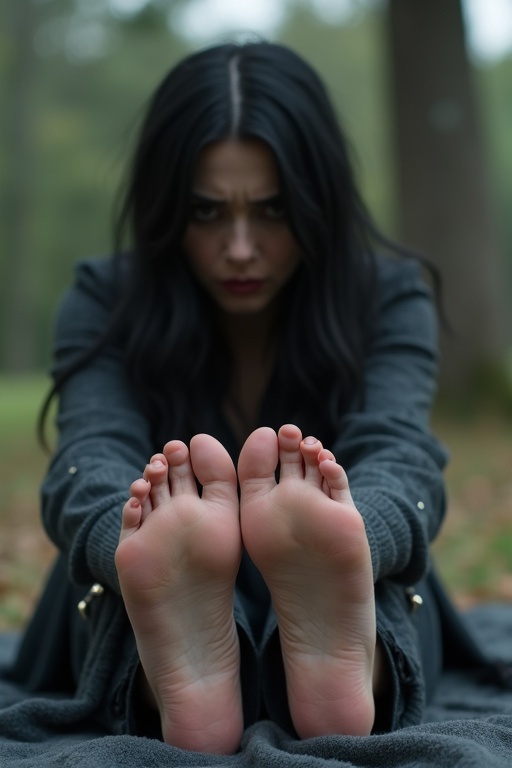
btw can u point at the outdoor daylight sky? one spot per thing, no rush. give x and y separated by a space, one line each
489 21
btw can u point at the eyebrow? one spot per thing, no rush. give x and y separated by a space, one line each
197 197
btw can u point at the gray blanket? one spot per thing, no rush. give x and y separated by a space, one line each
468 724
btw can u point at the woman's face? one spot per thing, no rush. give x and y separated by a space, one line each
238 242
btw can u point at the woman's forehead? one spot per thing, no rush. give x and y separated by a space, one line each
243 165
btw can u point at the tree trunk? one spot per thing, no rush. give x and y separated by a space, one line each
444 198
17 328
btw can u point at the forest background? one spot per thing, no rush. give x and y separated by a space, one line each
431 127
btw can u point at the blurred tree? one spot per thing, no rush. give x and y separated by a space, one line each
443 186
74 77
348 52
76 72
495 95
16 301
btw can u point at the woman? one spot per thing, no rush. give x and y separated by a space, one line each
256 305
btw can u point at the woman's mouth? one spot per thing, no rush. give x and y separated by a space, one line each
242 287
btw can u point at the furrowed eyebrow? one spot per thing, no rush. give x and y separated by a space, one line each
269 200
197 197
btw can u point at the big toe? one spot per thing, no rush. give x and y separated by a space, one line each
258 459
213 467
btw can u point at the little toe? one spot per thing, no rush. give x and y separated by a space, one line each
181 475
291 462
131 519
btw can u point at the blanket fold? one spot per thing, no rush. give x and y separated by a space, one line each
468 725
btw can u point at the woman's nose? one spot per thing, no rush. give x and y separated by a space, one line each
241 241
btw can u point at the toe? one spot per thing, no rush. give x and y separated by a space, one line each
258 460
156 473
310 449
214 469
335 477
132 518
140 490
181 475
291 462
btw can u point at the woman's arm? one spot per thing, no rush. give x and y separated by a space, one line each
393 462
103 438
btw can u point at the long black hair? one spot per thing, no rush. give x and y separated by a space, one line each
258 91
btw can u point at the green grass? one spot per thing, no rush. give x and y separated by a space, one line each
25 552
474 550
473 553
20 400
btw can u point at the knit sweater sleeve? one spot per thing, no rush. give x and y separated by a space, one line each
103 437
393 462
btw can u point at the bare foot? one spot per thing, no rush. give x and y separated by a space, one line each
177 560
309 542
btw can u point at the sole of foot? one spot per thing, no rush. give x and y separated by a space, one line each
308 540
177 560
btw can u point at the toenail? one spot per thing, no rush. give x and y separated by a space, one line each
310 440
157 464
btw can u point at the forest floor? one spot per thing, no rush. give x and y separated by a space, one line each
473 552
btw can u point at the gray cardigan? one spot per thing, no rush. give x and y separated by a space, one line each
394 466
393 462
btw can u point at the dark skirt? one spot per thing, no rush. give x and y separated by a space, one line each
58 649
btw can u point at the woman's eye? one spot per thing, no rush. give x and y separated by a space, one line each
274 211
203 212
